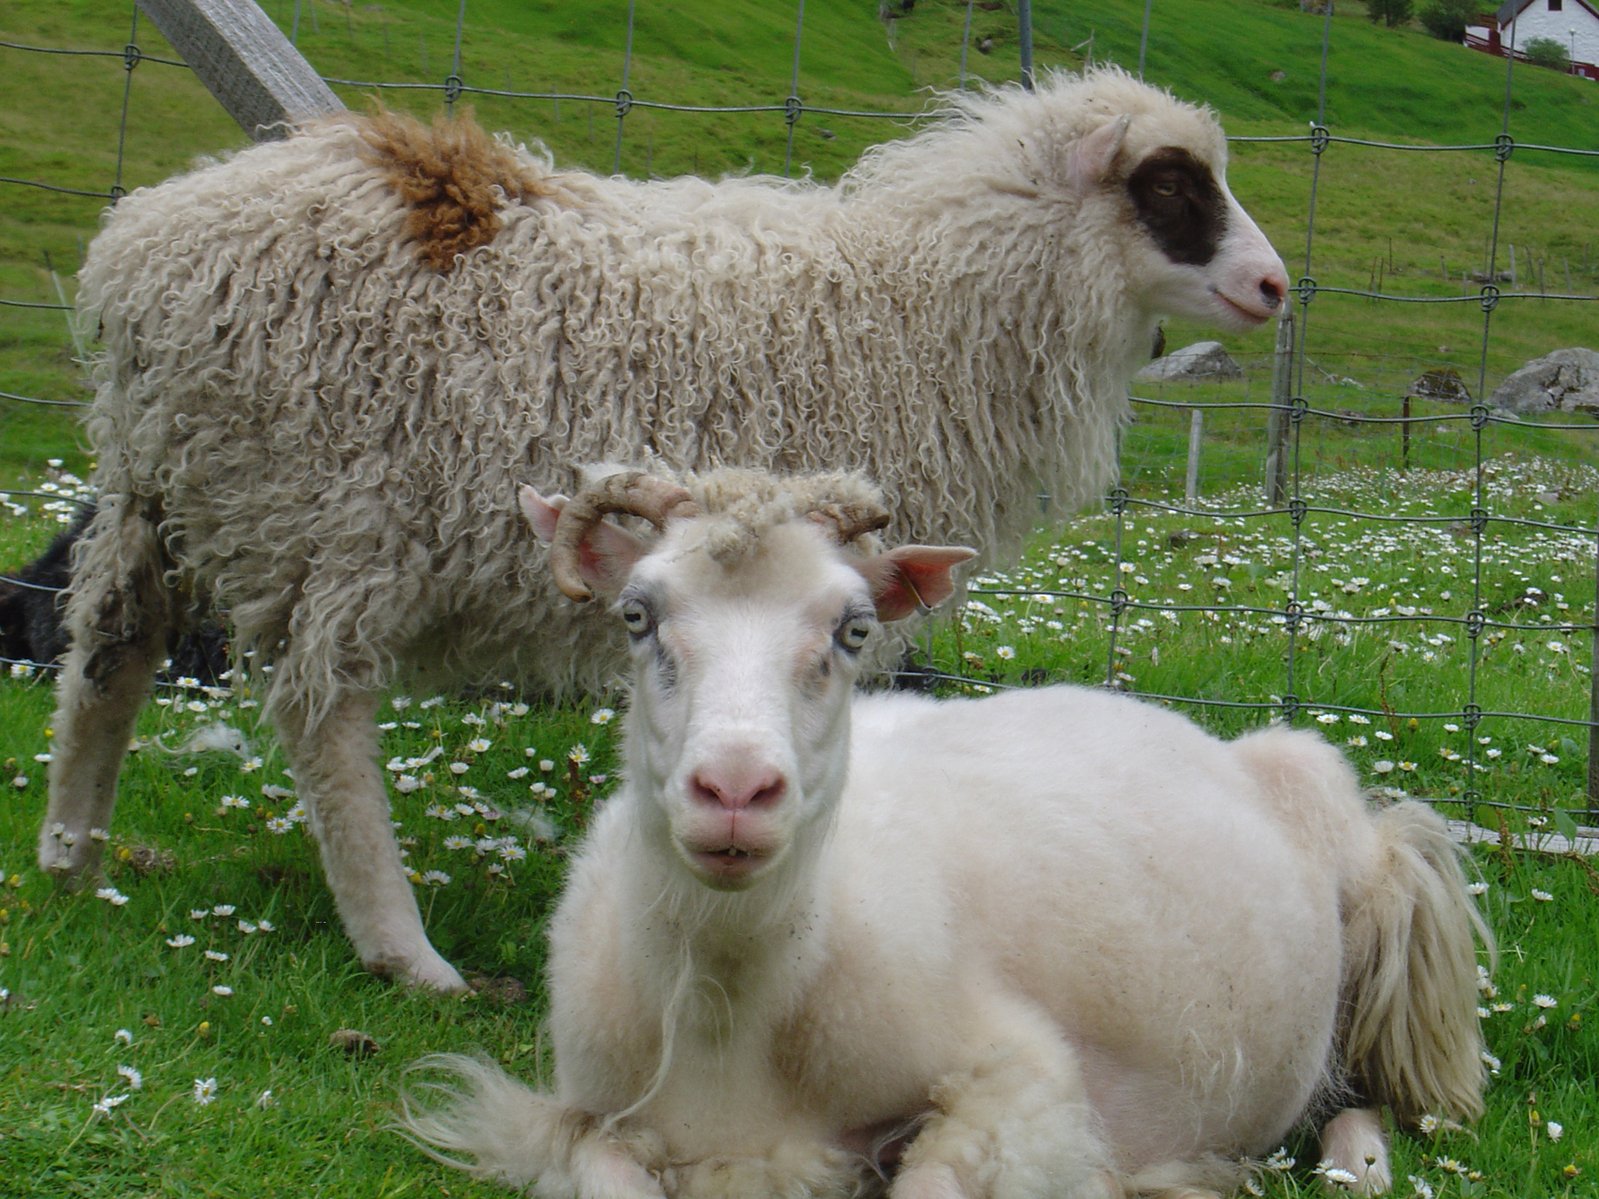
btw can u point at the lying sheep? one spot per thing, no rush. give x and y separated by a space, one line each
328 360
1053 943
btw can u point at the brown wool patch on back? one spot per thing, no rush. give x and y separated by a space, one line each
454 176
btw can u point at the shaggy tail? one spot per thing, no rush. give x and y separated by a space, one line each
119 596
1410 1035
481 1120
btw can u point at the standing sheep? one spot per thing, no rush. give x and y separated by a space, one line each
328 361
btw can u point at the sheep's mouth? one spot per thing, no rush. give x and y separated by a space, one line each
728 865
1246 315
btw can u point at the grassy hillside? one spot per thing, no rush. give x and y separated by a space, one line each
1393 220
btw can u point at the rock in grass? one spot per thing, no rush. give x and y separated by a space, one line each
1202 360
1441 383
354 1042
1560 381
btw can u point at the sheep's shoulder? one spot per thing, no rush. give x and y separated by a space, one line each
606 1040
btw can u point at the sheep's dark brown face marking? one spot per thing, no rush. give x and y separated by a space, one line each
1178 200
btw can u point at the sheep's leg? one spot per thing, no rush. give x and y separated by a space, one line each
118 616
1354 1140
337 777
790 1169
1016 1124
98 698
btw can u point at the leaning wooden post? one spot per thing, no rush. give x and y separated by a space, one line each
1277 424
246 62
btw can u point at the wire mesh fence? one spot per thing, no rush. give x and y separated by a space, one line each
1370 437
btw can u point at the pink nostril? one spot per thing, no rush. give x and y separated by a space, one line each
737 788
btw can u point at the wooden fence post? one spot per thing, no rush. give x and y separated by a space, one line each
1593 707
1404 432
1196 433
1279 422
246 62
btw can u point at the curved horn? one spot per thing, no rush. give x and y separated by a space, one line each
850 520
631 492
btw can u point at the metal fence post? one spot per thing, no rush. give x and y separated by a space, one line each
1024 36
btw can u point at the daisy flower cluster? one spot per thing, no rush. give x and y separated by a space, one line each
1369 597
492 789
123 1097
61 498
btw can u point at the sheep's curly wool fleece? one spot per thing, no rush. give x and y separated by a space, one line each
330 360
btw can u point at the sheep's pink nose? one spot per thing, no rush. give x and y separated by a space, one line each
736 786
1273 289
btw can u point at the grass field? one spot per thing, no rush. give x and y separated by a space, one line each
184 1032
210 968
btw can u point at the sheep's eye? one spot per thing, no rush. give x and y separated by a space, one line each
1165 188
852 634
637 617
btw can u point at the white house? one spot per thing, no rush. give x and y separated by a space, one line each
1572 23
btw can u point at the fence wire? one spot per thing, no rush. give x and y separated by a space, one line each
1291 501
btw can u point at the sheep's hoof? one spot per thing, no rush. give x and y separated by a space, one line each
428 972
438 975
928 1180
73 862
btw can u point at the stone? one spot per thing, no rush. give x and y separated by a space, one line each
1560 381
1202 360
1441 383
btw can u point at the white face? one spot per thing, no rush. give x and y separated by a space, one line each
740 711
1204 257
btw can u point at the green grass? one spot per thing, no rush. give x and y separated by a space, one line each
77 968
1385 660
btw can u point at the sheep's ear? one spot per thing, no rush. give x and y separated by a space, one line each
607 554
1091 158
911 578
541 513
